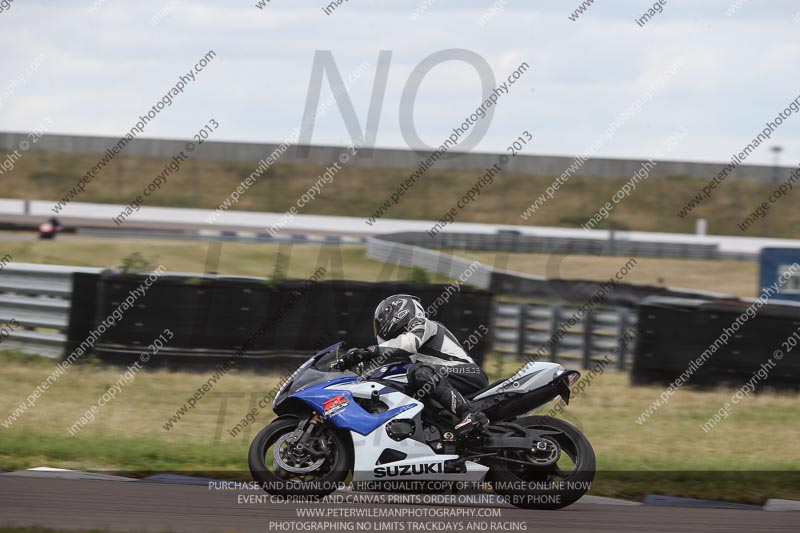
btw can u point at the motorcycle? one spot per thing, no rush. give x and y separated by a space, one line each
365 423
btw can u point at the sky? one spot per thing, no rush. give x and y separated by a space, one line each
102 63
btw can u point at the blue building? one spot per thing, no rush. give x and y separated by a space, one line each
773 263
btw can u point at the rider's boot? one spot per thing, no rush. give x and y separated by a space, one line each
473 421
426 380
471 418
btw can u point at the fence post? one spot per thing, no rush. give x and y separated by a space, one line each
588 333
554 325
444 265
522 337
624 321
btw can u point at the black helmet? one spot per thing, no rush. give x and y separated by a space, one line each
393 315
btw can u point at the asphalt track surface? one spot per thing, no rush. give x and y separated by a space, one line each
138 506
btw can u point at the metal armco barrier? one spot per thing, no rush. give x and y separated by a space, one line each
38 298
522 328
442 263
505 282
509 241
578 290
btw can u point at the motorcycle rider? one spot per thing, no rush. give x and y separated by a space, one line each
440 366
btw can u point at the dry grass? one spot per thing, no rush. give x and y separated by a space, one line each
358 191
241 259
737 278
128 434
672 439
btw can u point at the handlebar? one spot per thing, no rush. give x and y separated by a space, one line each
358 369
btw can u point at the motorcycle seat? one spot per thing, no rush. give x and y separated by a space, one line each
472 395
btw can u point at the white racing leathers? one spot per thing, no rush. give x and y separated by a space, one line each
441 369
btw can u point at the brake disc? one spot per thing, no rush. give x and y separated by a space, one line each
285 460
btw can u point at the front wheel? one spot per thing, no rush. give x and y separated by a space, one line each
555 474
284 469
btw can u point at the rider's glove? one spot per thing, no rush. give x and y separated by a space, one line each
351 358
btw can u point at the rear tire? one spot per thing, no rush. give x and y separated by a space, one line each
321 482
540 488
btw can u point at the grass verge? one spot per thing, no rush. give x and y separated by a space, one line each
668 454
359 191
235 259
738 278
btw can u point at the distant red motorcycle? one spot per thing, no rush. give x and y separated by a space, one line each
49 229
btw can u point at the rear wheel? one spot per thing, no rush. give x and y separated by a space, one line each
283 468
554 474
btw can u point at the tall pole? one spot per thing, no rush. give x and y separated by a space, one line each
775 165
776 177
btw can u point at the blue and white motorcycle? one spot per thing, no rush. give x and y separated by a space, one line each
365 424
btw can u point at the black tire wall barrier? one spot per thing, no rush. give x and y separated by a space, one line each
81 312
675 332
213 318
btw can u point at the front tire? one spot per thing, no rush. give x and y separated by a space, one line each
551 487
327 474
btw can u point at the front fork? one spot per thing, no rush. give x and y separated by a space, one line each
308 439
